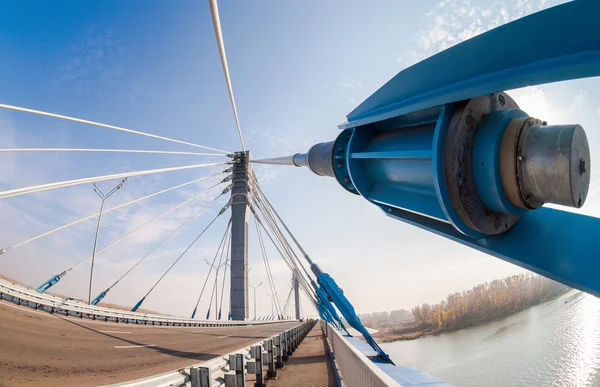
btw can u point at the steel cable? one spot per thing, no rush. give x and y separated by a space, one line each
214 10
47 114
211 267
69 183
104 212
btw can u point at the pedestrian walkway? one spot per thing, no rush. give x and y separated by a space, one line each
309 366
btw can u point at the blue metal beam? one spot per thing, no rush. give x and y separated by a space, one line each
560 245
556 44
428 146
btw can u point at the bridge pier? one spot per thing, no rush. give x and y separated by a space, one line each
239 237
297 294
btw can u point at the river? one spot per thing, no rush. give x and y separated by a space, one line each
551 344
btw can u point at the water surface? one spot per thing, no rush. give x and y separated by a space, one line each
552 344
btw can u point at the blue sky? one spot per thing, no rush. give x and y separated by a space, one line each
297 69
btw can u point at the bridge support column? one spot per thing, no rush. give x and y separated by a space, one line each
239 237
297 294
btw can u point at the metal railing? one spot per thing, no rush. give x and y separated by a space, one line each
230 370
53 304
356 369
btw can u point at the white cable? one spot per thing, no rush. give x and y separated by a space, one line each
7 150
292 265
26 110
147 223
68 183
164 241
108 210
286 248
214 10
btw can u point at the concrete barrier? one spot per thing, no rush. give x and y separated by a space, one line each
229 370
53 304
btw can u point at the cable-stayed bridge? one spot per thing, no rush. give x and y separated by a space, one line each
441 146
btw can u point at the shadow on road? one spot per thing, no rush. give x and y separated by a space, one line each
167 351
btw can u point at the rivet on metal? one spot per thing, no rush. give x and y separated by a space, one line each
469 121
501 100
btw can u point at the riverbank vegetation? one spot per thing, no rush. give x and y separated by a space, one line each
482 303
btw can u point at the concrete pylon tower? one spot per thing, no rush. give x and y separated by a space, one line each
239 237
297 295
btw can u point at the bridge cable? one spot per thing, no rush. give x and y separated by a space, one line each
267 265
272 210
279 245
305 287
349 313
280 316
281 238
56 278
152 220
180 256
97 150
288 293
227 259
268 308
269 217
283 224
288 298
221 244
214 10
2 251
277 235
103 294
39 112
302 281
214 293
69 183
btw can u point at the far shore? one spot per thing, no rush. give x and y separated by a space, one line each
411 330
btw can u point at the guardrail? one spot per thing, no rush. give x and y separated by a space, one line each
230 370
356 369
53 304
360 366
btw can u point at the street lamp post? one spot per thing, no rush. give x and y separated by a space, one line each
103 197
254 288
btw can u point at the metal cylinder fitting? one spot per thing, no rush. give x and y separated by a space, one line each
320 159
545 164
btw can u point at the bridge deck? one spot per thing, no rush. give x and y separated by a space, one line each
38 348
309 365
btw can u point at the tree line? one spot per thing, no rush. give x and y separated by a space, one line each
384 319
487 301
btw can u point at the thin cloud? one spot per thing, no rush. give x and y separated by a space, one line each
350 84
452 22
99 58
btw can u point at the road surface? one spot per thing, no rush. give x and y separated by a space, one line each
37 348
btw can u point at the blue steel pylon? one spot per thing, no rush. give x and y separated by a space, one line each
441 147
